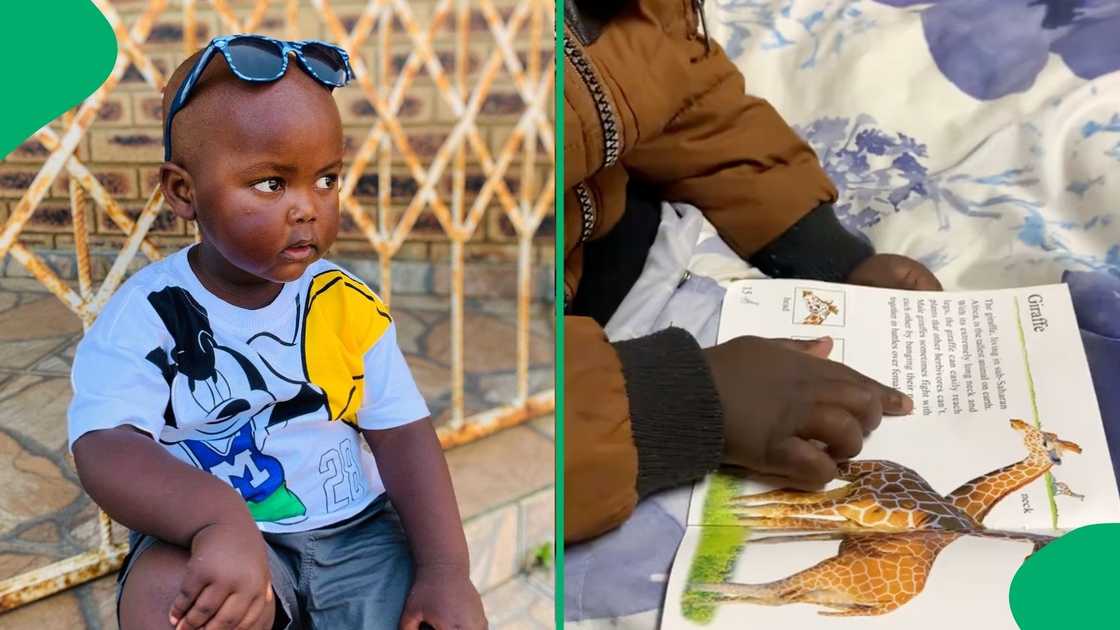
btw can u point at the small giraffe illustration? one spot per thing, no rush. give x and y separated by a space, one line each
871 574
1044 450
1062 489
892 525
819 308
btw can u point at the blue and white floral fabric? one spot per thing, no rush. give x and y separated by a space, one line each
979 136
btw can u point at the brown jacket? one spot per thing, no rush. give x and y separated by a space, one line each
647 96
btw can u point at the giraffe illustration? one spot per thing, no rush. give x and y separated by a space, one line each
1044 450
886 496
871 574
1038 541
1061 489
819 308
880 496
892 525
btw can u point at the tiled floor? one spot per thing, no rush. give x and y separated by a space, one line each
523 603
503 482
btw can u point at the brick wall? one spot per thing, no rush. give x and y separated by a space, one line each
124 149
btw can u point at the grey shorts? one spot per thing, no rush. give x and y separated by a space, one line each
353 574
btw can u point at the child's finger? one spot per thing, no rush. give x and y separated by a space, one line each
208 602
193 583
837 428
910 274
894 402
411 618
231 613
819 348
926 281
806 466
253 615
264 603
861 401
438 622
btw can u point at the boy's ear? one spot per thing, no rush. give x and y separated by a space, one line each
178 189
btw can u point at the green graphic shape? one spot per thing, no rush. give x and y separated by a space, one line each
1070 583
58 53
279 505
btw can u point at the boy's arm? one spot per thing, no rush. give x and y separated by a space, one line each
641 416
733 156
142 486
413 468
415 474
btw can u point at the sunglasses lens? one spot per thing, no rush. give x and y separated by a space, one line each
256 58
326 63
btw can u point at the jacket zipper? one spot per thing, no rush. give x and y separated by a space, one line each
586 209
612 137
608 121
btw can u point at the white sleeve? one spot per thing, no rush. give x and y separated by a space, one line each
391 398
114 381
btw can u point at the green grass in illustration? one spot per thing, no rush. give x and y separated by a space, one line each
721 541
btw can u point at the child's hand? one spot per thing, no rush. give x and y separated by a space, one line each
777 395
228 583
894 272
444 598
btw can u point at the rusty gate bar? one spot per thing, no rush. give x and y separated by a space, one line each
525 211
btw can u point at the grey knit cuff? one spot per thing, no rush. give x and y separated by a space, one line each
818 247
675 412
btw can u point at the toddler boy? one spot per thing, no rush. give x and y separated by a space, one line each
220 397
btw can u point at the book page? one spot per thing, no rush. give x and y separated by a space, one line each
928 525
999 380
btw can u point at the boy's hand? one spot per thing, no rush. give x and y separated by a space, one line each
779 394
889 271
445 599
228 583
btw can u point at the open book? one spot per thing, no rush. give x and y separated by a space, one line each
927 526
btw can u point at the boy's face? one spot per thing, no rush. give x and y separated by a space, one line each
264 170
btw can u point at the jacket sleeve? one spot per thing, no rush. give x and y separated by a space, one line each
642 415
694 132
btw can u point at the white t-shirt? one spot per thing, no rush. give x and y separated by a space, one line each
265 399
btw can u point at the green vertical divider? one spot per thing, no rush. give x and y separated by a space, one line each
559 362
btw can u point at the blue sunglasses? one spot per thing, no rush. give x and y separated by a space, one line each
260 59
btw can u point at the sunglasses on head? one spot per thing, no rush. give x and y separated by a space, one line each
261 59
